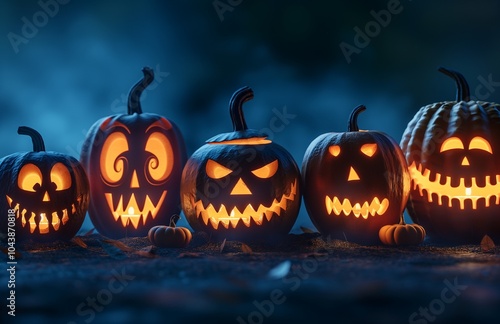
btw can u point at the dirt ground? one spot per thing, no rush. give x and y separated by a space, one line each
305 278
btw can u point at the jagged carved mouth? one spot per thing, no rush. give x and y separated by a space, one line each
365 209
421 180
132 214
232 218
45 222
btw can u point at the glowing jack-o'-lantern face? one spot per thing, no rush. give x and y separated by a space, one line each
452 149
134 162
356 182
364 208
48 192
241 185
466 183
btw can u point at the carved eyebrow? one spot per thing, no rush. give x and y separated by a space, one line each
160 123
107 122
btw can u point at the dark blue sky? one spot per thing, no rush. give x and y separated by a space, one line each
79 61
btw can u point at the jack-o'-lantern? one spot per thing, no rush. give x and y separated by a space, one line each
47 191
453 152
241 185
134 163
354 183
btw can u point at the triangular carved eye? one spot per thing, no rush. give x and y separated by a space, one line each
369 149
334 150
267 170
216 170
452 143
479 143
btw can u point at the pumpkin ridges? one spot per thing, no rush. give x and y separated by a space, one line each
402 233
137 128
74 195
422 142
170 236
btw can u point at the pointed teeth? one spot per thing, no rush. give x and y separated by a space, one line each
55 221
235 216
357 209
131 214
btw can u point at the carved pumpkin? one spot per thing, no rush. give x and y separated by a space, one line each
453 153
171 235
134 162
402 234
48 191
241 185
355 182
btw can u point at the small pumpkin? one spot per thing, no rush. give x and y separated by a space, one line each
241 185
134 162
355 182
402 234
170 236
453 154
48 192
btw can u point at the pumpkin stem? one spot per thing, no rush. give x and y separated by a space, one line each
134 97
38 144
353 118
463 91
173 220
236 107
402 220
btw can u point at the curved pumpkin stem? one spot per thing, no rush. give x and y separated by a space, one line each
134 97
463 91
38 144
239 97
353 118
402 219
173 220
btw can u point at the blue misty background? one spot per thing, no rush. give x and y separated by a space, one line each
80 64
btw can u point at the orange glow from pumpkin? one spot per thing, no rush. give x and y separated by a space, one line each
267 170
245 141
160 166
479 143
29 176
364 209
353 175
461 193
112 167
452 143
369 149
30 218
60 176
231 218
334 150
216 170
131 213
240 188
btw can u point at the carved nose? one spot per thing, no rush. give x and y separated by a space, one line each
240 188
353 175
46 196
465 161
134 183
